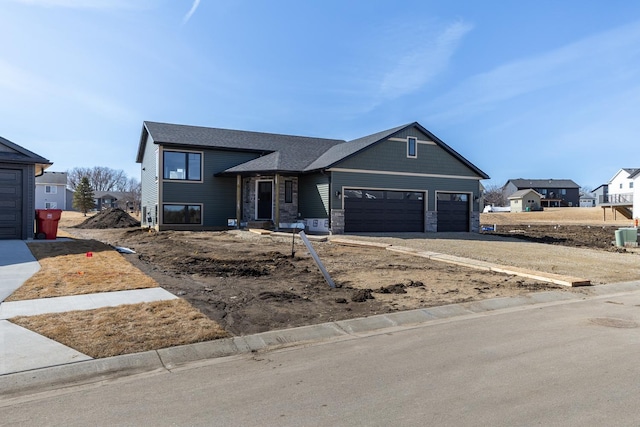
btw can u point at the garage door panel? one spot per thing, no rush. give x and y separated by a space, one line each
383 211
453 212
10 204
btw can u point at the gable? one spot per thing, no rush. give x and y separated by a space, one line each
390 155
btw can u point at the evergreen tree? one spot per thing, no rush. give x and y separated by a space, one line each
83 197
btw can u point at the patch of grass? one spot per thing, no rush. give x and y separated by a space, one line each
125 329
67 270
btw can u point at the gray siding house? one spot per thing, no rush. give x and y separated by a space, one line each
555 192
401 179
18 170
52 192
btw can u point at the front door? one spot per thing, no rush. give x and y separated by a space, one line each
265 199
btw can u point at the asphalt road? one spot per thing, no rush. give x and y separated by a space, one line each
569 364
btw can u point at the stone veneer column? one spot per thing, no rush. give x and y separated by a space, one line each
431 221
475 222
337 221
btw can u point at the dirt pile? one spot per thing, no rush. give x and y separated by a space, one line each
595 237
110 218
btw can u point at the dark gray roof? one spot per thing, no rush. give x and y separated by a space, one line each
522 183
346 149
632 172
17 154
279 153
55 178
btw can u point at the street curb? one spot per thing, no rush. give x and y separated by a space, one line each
91 371
88 371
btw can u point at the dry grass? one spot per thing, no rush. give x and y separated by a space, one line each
67 270
126 329
578 216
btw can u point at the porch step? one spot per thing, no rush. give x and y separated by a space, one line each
264 225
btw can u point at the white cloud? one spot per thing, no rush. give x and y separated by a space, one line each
424 62
189 14
22 86
592 61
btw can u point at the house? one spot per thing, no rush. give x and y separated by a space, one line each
601 193
18 170
401 179
555 192
587 201
114 199
525 201
635 177
620 194
52 191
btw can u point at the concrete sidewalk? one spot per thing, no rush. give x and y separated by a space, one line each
30 362
24 350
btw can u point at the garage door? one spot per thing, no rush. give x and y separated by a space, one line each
383 211
10 204
453 212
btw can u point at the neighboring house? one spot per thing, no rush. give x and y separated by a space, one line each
587 201
52 192
621 186
636 195
601 193
113 199
555 192
525 201
401 179
18 170
621 190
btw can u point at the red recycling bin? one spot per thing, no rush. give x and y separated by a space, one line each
47 223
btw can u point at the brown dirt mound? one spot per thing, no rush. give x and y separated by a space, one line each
110 218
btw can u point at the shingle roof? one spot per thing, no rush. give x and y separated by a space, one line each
342 151
20 154
520 193
543 183
55 178
632 172
279 153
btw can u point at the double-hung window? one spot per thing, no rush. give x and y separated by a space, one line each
50 189
182 166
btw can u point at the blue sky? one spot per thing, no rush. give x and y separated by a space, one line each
526 89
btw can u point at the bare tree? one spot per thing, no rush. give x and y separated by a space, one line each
132 195
100 178
494 196
586 191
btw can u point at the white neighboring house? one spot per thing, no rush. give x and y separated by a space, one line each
52 192
636 194
621 186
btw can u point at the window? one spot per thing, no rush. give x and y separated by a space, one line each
182 214
620 185
631 185
182 166
412 147
288 191
50 205
563 192
50 189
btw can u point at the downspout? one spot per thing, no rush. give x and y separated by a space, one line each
330 197
238 200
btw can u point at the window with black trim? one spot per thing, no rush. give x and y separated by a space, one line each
182 166
50 189
412 147
181 214
288 191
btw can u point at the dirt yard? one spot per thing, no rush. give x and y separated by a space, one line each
250 283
